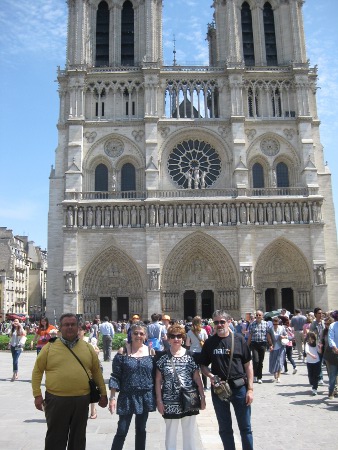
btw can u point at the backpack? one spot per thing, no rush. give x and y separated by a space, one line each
155 343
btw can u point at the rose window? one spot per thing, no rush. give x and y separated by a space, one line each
194 164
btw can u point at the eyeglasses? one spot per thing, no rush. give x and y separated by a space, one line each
138 333
220 322
175 336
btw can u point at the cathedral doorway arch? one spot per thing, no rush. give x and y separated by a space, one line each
112 285
201 265
282 278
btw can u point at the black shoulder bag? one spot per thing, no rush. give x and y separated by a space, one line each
189 397
95 393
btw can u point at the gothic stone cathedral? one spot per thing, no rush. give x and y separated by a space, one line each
184 189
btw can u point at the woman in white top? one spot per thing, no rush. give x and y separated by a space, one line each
196 337
16 344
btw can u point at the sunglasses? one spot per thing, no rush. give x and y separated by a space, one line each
220 322
175 336
138 333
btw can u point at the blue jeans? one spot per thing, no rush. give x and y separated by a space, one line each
15 356
123 427
333 373
243 415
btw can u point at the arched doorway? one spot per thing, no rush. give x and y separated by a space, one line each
287 299
207 304
189 300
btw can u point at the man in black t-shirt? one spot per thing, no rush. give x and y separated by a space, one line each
216 351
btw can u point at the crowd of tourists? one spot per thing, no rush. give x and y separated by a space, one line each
167 365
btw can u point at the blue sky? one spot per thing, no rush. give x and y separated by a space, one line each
33 44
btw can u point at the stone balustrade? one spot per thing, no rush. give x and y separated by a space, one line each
211 213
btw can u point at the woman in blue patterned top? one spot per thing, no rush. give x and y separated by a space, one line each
133 377
168 389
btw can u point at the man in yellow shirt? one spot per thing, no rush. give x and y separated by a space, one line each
67 389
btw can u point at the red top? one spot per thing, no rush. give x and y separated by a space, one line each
44 336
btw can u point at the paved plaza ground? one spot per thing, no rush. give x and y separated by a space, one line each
284 416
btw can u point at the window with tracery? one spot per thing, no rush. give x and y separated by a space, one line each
102 35
194 164
247 35
127 34
101 178
253 103
128 177
257 176
270 35
282 174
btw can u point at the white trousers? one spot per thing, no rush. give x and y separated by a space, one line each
188 432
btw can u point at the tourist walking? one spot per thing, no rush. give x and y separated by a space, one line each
107 331
195 340
177 368
333 344
217 352
42 334
16 344
277 350
313 361
257 342
133 378
289 348
297 322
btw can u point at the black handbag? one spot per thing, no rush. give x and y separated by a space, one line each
95 393
189 397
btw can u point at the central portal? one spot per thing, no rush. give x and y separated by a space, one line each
189 300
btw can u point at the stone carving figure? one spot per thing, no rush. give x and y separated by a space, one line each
107 217
171 216
179 215
242 213
224 212
152 216
98 217
69 282
189 178
278 213
203 183
295 212
161 215
252 213
320 275
198 215
113 185
80 218
89 217
188 214
142 217
215 217
70 218
125 216
116 217
233 214
305 213
153 277
315 214
196 178
133 215
260 213
287 212
269 212
246 281
206 215
274 178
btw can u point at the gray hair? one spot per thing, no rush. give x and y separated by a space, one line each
137 325
221 313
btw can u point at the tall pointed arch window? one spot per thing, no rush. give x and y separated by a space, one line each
282 174
102 35
127 34
128 177
270 35
101 178
247 35
257 176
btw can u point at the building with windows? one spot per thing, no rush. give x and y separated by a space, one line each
182 189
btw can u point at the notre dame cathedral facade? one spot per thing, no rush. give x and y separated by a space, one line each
184 189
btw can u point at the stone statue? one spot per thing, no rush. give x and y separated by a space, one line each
179 215
161 215
70 218
269 212
246 277
203 183
188 214
196 178
278 213
69 283
260 213
142 217
295 212
89 217
189 178
113 186
116 217
125 216
133 217
252 213
233 215
171 216
274 178
305 213
320 275
153 277
98 216
206 215
80 218
152 216
107 217
242 213
224 214
315 211
287 212
198 215
215 218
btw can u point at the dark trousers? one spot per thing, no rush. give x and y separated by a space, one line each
313 371
288 355
123 427
15 355
66 419
258 352
106 346
243 416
